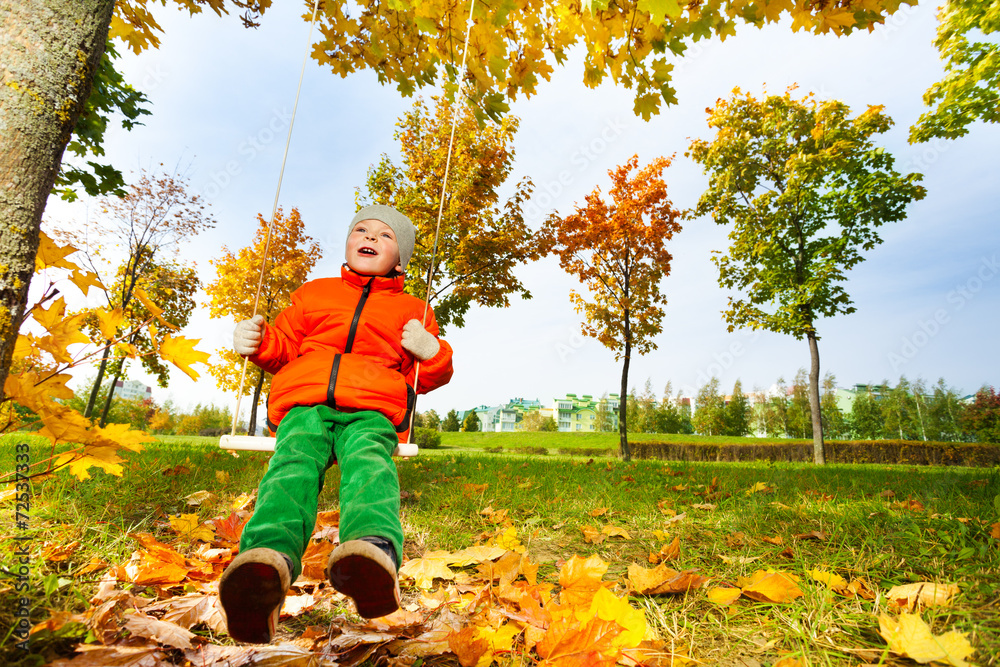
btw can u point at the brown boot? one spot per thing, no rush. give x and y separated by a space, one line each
365 573
251 592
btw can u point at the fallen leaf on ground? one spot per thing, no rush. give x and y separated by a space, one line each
580 579
811 535
433 565
995 532
922 593
598 511
704 506
477 554
738 560
615 531
200 498
230 528
56 553
592 536
295 605
832 581
189 526
770 586
773 540
910 637
667 552
760 487
662 580
162 632
787 661
315 558
190 610
724 596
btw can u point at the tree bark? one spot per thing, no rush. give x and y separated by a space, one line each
49 52
252 426
111 393
623 448
819 452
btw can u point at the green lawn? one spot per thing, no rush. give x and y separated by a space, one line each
885 524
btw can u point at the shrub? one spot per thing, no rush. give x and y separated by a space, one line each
837 451
427 438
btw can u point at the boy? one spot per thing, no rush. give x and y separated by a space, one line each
343 356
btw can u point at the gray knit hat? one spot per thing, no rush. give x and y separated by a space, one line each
401 226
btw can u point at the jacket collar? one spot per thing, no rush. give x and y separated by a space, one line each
381 283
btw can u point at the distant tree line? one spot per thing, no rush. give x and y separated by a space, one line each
910 410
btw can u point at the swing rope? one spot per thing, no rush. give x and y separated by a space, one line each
437 230
274 212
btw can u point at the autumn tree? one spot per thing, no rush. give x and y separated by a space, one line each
981 418
618 251
482 238
168 289
52 49
805 190
291 255
148 225
944 411
970 90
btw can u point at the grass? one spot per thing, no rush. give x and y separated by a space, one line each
940 534
554 441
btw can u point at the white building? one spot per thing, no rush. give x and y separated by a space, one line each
133 390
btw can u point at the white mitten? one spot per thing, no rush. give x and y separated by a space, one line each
421 343
247 336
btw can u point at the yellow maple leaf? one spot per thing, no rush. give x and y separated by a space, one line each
609 607
109 321
51 316
910 637
84 280
80 464
433 565
508 540
921 593
770 586
580 578
477 554
153 309
180 351
190 526
122 436
51 255
832 581
615 531
724 596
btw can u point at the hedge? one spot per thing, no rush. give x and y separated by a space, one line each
907 452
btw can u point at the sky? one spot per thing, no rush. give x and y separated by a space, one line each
927 299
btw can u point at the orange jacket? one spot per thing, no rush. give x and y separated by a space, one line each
339 344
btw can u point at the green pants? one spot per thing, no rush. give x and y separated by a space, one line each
309 440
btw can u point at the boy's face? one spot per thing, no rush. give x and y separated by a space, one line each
372 249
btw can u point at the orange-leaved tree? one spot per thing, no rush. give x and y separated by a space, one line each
618 251
50 345
290 258
482 239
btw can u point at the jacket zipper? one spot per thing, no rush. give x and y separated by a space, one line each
357 315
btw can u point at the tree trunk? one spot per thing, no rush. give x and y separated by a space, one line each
252 426
97 383
50 50
819 453
111 394
623 449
